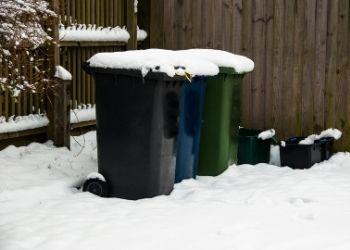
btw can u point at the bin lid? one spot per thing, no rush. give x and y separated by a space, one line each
170 62
229 63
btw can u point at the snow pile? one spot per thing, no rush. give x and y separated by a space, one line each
275 156
141 34
331 132
279 208
63 74
83 113
267 134
82 32
95 175
21 123
136 2
167 61
240 64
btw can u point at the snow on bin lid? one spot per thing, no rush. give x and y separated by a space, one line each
157 60
240 64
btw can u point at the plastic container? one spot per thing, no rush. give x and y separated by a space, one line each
222 111
327 147
251 149
137 123
191 109
299 156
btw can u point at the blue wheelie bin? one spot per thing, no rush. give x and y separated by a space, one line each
188 139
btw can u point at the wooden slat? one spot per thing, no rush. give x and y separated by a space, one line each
98 12
342 70
217 12
12 135
331 64
258 50
295 109
169 24
73 10
277 73
102 15
79 73
269 45
237 26
227 25
247 20
320 65
309 67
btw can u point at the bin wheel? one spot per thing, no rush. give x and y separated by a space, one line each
96 187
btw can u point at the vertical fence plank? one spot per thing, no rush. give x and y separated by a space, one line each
237 26
269 64
196 24
331 74
277 79
247 11
217 12
188 25
347 95
288 67
169 23
320 59
98 12
297 70
309 67
78 62
102 11
83 76
259 46
341 71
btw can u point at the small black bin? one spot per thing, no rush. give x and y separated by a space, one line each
300 156
327 147
137 123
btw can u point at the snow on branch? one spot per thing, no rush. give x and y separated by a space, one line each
25 27
21 22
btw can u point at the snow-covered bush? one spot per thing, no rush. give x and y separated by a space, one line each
24 31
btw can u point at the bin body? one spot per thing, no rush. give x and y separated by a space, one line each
299 156
136 130
222 111
327 147
188 139
251 149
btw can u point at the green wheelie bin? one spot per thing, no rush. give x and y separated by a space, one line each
222 111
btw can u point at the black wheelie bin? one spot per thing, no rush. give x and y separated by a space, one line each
137 124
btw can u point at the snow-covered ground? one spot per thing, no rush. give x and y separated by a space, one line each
247 207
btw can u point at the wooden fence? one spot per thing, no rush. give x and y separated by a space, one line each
301 80
26 102
105 13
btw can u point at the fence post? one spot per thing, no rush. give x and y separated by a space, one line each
131 23
58 97
58 112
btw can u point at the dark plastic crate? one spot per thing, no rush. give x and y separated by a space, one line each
327 147
299 156
251 149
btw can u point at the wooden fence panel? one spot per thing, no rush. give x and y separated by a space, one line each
100 12
301 49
